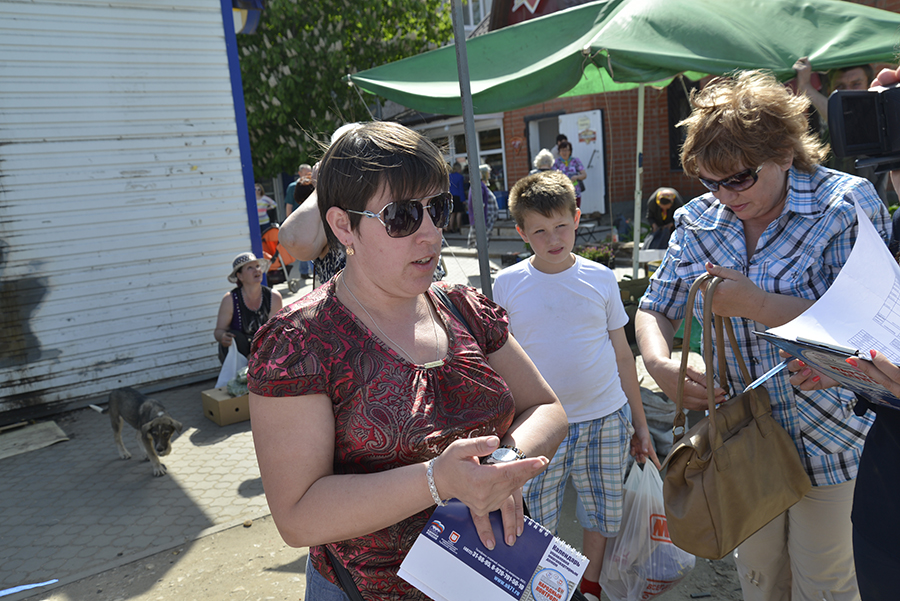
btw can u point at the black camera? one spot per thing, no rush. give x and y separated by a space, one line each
866 124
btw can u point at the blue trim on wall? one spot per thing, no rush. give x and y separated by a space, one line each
240 118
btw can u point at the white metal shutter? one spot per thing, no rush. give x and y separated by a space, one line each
121 194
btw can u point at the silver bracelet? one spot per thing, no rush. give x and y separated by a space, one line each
429 473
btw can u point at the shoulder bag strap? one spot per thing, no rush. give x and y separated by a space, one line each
678 426
344 577
442 296
757 407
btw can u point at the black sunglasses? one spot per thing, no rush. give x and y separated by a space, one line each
404 217
736 183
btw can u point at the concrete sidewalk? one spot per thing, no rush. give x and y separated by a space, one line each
74 509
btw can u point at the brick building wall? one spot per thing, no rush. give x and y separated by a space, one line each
620 125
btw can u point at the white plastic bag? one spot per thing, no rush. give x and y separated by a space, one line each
234 361
641 562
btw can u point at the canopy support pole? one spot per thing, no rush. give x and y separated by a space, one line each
462 65
638 183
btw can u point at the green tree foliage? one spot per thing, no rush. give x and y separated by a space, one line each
292 68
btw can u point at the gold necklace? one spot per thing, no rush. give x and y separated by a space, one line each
436 363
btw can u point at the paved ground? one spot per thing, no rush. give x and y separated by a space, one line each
75 511
75 508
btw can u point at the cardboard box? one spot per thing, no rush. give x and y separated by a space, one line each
224 409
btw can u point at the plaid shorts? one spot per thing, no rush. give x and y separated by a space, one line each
594 455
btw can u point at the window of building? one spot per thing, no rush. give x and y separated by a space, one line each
474 12
449 136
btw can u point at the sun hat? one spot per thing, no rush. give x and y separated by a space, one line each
243 259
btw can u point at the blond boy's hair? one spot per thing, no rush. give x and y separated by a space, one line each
546 193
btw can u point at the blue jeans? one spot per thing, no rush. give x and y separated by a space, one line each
305 267
318 588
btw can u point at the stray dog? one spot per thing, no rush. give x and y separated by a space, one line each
154 426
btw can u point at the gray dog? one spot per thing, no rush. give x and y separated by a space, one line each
154 426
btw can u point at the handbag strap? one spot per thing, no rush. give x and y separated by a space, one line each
442 296
724 329
344 577
678 425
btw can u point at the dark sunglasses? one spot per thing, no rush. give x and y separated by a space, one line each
404 217
736 183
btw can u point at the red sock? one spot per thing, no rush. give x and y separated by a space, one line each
590 588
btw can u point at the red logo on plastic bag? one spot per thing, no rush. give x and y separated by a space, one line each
659 528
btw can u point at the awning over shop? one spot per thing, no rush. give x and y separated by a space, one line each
612 45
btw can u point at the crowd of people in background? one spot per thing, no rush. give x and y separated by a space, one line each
776 224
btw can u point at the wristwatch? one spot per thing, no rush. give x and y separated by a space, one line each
503 454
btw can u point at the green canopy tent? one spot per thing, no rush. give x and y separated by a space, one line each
613 45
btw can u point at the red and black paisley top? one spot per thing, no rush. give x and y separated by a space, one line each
387 411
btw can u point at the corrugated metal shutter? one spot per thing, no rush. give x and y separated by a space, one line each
121 194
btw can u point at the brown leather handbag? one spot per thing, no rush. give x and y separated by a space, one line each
737 469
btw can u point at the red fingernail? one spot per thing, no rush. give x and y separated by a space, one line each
816 378
802 364
872 353
852 361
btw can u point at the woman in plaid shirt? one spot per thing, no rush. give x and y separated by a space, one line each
777 227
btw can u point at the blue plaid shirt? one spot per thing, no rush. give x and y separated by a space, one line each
799 254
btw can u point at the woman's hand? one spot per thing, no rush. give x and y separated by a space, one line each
805 378
881 370
665 373
736 296
458 473
226 339
654 333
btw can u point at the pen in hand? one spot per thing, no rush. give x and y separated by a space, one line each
758 381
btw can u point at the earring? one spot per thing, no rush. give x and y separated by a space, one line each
350 252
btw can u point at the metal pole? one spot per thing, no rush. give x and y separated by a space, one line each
638 183
462 65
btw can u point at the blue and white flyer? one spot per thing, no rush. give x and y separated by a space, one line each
448 562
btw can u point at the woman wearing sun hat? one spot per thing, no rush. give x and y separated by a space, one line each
247 307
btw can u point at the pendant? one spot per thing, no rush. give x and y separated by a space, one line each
431 364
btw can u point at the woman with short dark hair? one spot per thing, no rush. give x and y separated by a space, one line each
370 401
